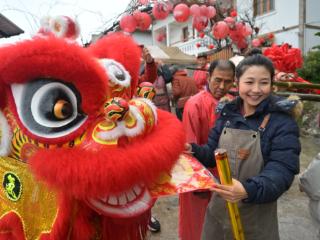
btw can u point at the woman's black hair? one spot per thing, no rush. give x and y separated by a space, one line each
223 65
256 59
253 51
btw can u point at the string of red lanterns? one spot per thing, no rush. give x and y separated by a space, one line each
237 32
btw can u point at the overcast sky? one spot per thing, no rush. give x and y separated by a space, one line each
92 15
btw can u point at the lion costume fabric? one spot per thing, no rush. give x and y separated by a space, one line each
78 150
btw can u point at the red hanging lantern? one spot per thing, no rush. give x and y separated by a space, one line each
128 23
195 10
203 10
143 20
143 2
242 44
239 26
199 23
233 13
256 42
235 35
220 30
247 30
198 45
169 6
181 12
160 10
262 40
211 46
230 21
211 12
271 36
201 34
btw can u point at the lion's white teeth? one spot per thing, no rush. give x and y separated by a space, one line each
130 195
137 189
112 200
122 199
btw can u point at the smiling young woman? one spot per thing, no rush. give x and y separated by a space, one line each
254 86
260 125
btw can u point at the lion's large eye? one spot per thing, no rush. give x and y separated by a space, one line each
116 72
48 108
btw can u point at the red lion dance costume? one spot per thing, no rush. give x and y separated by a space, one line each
78 151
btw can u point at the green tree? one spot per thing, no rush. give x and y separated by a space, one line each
311 66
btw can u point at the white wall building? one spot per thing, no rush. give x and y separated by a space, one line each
286 19
143 38
180 35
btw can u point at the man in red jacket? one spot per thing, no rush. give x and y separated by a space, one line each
198 118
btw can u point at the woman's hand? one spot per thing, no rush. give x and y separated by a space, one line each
231 193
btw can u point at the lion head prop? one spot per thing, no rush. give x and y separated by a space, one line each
78 149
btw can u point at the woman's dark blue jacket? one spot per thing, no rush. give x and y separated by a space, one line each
280 146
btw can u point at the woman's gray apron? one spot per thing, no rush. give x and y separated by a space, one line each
260 221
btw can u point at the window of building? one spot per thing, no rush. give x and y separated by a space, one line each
261 7
185 34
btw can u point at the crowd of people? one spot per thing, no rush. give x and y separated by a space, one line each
259 132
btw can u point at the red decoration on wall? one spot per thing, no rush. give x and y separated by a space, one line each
161 37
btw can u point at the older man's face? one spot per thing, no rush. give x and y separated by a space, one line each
220 82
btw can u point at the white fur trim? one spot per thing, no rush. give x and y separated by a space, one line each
113 134
139 128
106 63
6 136
151 105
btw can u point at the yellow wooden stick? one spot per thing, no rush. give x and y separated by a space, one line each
226 179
